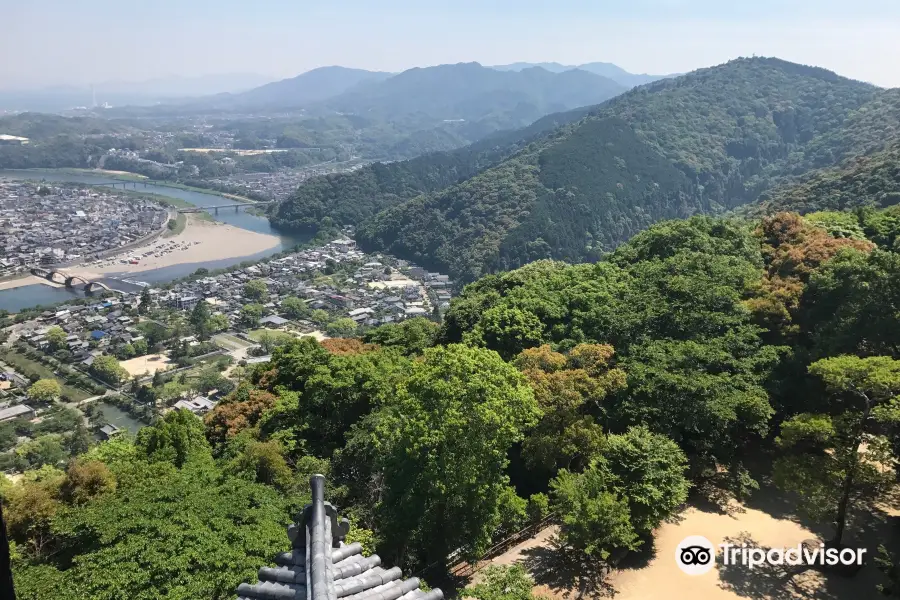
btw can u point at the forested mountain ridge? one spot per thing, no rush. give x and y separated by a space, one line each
706 142
862 164
871 180
351 198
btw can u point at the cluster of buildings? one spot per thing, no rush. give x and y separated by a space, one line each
91 329
45 225
377 290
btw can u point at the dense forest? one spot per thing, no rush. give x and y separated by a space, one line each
707 142
351 198
706 352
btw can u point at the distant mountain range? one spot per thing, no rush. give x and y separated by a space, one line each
313 86
608 70
239 91
470 92
713 140
458 91
430 108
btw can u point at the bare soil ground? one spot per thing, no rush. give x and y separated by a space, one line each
767 521
146 364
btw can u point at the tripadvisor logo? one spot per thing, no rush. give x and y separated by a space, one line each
695 555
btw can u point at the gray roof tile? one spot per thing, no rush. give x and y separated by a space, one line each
336 570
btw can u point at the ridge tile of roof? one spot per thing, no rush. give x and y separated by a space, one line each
320 566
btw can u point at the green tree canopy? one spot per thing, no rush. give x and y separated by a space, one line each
250 314
45 390
109 370
442 448
256 289
412 336
56 337
826 463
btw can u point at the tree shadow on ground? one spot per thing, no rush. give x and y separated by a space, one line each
571 574
711 498
767 582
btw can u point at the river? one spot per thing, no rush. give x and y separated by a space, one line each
33 295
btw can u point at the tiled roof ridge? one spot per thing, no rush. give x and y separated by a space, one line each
320 566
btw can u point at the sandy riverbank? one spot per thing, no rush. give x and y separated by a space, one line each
26 280
201 241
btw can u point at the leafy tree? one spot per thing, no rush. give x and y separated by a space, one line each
793 249
256 289
29 510
570 391
79 441
502 583
155 508
177 438
251 314
43 450
241 410
295 308
708 397
412 336
319 316
841 319
633 485
341 327
262 462
217 323
87 480
648 470
146 302
158 379
334 391
346 346
56 338
109 370
594 519
45 390
140 347
538 507
200 316
837 461
508 331
459 406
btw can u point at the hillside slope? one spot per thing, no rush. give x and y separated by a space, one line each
872 180
313 86
705 142
351 198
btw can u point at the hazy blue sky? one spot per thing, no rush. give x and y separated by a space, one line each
81 41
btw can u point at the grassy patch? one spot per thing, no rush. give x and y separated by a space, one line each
26 366
280 336
180 222
230 342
